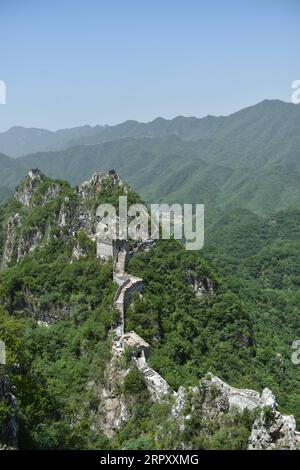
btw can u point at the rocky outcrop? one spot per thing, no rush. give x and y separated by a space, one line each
25 191
113 411
272 430
18 245
11 249
75 216
141 246
90 188
74 213
51 314
241 399
201 285
281 433
77 252
19 241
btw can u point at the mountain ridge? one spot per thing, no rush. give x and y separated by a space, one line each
19 140
249 159
57 297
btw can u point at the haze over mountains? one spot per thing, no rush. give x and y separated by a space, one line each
249 159
245 168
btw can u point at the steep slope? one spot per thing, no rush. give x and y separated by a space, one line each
58 322
11 171
249 159
176 171
246 130
19 140
240 233
259 260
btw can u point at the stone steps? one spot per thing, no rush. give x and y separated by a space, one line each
148 372
119 303
157 386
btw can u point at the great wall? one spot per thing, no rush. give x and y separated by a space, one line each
129 284
283 426
280 433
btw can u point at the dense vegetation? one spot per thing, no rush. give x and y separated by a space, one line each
249 159
241 327
56 363
190 334
259 260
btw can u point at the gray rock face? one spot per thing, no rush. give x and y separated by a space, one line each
11 250
89 189
16 245
201 286
74 215
241 399
113 411
77 253
270 430
26 190
273 431
19 243
24 194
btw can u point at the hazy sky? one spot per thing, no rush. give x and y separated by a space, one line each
68 62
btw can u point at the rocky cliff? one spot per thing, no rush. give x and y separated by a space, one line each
45 208
270 429
44 212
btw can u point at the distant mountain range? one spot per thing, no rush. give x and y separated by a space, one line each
250 159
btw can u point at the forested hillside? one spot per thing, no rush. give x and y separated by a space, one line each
249 159
246 131
232 310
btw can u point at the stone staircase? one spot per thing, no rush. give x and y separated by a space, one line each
241 399
128 284
157 386
121 263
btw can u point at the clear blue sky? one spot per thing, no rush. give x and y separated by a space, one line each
68 62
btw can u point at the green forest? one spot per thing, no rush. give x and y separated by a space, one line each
242 331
